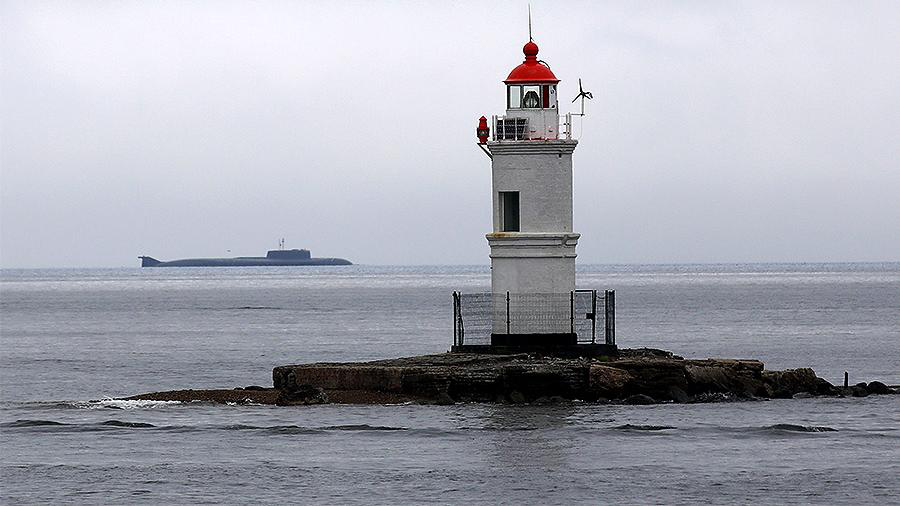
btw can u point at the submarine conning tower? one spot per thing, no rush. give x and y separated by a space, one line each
532 243
288 254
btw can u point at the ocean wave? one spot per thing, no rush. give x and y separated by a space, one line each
629 426
296 429
790 427
31 423
131 425
55 425
110 403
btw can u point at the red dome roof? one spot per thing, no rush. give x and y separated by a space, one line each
531 70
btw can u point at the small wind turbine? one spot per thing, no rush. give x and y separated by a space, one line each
582 95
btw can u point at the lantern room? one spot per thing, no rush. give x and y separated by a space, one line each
532 84
531 101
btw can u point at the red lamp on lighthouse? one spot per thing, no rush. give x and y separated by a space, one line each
482 131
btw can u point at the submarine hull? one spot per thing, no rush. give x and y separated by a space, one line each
275 258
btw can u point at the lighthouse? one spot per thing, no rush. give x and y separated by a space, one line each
533 304
532 242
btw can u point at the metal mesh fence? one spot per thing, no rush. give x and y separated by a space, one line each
588 311
478 315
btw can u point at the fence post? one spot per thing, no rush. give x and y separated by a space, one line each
610 326
455 316
572 311
593 316
507 312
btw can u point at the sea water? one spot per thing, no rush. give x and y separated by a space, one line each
73 340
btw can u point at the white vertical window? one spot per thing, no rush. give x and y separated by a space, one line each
514 97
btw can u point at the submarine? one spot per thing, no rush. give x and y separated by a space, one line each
274 258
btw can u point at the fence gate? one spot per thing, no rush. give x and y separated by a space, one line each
583 313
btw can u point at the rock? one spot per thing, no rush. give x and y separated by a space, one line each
553 399
640 399
516 397
607 382
678 395
637 376
301 395
742 378
879 388
444 399
654 378
784 384
648 353
823 387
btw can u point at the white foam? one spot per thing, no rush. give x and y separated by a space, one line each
109 402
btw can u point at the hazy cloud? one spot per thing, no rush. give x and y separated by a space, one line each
755 131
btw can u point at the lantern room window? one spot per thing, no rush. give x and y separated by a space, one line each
514 97
531 97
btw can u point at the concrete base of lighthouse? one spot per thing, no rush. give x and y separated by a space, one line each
535 274
537 263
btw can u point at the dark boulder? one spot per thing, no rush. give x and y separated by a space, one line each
516 397
784 384
606 382
444 399
640 399
742 378
859 390
653 378
678 395
879 388
301 395
824 387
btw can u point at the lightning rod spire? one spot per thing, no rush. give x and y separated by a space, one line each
529 24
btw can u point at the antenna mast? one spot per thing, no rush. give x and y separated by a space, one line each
529 24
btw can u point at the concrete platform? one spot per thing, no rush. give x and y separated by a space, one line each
551 350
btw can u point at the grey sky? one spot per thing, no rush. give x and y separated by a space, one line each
754 131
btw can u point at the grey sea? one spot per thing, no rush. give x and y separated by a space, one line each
74 340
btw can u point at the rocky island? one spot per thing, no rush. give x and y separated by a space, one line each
639 376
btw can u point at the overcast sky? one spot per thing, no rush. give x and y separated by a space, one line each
719 132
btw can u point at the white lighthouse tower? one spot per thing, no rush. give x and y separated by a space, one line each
533 304
532 242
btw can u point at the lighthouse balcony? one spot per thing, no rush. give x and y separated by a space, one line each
532 126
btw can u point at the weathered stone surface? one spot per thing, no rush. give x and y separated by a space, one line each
784 384
823 387
654 377
301 395
605 382
462 377
877 387
635 377
859 390
678 395
640 399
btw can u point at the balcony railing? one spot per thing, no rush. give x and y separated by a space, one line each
513 128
